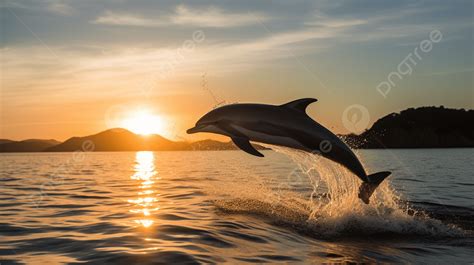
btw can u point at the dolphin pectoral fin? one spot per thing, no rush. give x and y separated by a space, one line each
244 144
299 104
239 139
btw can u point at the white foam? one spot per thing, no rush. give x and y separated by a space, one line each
341 213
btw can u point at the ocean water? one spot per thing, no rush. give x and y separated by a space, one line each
227 206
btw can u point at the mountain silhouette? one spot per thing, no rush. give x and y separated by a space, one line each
424 127
119 140
213 145
30 145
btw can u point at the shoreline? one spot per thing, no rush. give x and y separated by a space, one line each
217 150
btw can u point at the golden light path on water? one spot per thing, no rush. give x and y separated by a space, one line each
146 201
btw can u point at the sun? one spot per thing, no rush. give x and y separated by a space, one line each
144 122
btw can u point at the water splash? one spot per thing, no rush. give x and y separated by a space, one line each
330 207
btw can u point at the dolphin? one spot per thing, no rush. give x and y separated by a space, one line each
285 125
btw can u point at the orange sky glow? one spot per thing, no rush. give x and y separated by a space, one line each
85 69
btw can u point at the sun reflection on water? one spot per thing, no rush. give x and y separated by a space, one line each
146 201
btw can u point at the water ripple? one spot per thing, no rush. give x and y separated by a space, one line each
179 208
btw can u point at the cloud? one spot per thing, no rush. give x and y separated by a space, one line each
280 39
215 17
60 7
450 72
183 16
319 19
262 45
217 55
124 19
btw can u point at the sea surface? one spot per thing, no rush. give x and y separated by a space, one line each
230 207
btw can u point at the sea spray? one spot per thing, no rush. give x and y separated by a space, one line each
319 197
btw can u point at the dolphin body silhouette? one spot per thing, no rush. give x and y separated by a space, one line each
285 125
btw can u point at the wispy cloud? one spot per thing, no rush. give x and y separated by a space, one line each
60 6
314 34
124 19
281 39
319 19
450 72
215 17
183 16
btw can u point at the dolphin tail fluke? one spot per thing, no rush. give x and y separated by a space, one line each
367 188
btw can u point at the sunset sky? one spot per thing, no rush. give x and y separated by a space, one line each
73 68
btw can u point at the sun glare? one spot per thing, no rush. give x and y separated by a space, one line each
144 123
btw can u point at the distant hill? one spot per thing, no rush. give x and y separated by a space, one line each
211 145
425 127
119 140
30 145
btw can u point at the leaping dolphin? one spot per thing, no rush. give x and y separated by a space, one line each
285 125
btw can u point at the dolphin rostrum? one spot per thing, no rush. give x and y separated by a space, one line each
285 125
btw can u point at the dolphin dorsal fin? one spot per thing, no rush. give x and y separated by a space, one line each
299 104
